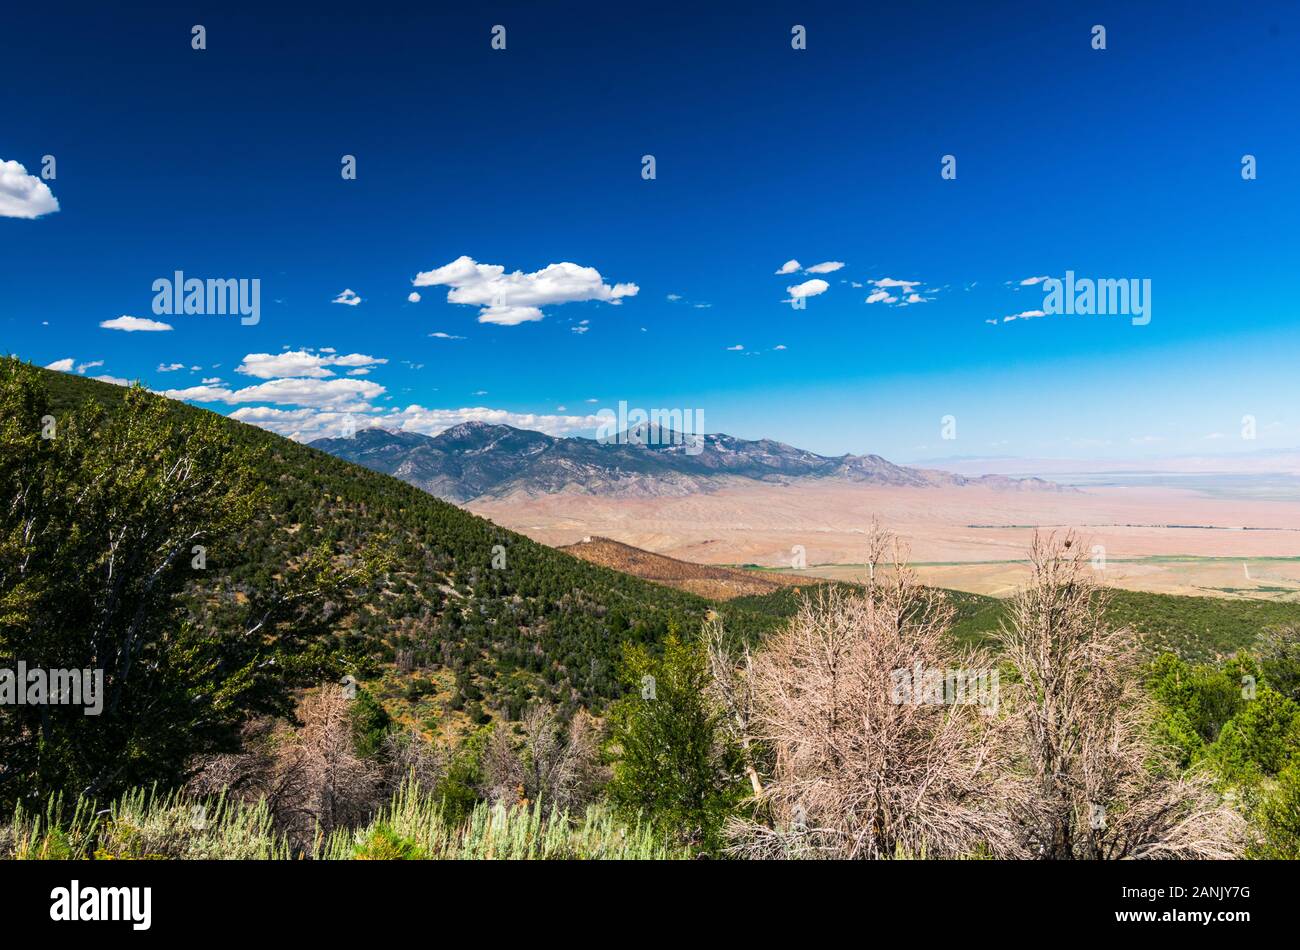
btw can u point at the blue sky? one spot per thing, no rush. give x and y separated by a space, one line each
1115 163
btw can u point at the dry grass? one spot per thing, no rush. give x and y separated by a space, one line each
703 580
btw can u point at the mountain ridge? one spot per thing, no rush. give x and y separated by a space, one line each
475 459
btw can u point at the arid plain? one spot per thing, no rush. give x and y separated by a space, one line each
1155 538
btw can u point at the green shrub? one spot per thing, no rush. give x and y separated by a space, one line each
370 724
1260 740
384 844
1277 819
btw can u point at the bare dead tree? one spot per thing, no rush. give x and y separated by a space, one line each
336 787
310 775
269 766
503 769
857 773
562 763
880 542
546 761
589 773
555 764
411 757
1096 783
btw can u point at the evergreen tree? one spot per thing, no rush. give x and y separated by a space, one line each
674 763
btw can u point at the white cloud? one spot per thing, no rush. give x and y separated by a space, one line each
1024 315
511 299
62 366
301 363
115 380
789 267
825 267
170 367
674 297
1030 281
737 347
439 335
212 381
359 371
509 316
132 324
82 367
809 288
902 293
291 363
413 296
355 359
780 346
348 297
312 392
23 195
341 394
302 425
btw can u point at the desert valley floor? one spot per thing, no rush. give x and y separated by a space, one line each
1164 539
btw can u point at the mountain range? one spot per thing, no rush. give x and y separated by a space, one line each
478 459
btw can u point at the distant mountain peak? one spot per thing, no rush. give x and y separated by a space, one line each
476 425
